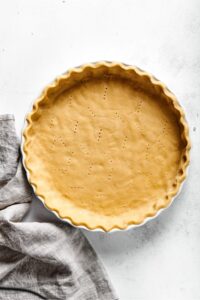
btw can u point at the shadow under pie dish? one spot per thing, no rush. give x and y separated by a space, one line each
106 146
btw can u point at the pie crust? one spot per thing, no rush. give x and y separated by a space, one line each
106 146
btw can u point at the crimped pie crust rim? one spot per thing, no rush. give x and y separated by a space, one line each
184 160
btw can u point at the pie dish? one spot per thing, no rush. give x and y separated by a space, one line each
106 146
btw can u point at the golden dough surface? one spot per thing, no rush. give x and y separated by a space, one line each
104 149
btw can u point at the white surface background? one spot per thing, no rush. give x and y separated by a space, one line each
42 39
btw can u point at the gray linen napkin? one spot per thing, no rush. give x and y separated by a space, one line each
40 260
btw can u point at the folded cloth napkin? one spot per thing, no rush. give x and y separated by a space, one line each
40 260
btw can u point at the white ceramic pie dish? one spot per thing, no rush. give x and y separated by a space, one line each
81 226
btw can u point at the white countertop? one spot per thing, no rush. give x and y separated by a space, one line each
40 39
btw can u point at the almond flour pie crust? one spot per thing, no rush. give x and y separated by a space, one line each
106 146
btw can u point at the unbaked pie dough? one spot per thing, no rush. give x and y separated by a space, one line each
106 146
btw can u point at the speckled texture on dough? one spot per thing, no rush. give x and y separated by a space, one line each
108 147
